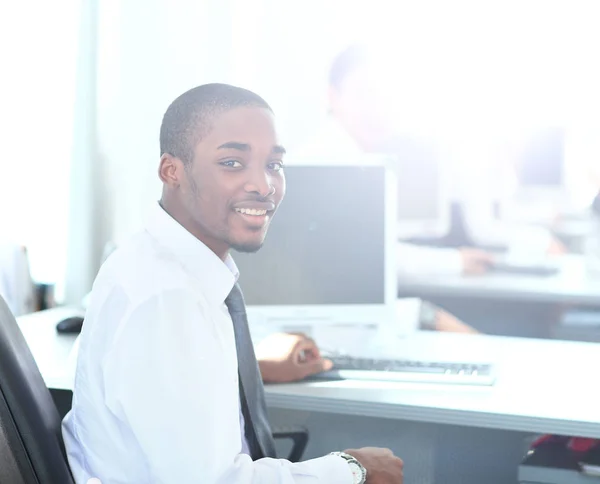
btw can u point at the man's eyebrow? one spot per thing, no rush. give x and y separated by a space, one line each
234 145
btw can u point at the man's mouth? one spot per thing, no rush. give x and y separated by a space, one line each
256 218
254 212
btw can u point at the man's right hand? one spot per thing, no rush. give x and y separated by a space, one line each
287 357
475 262
383 467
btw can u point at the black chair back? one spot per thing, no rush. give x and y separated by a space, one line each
30 426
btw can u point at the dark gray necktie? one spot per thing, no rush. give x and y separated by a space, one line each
252 395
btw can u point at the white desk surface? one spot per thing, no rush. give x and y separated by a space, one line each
571 285
50 349
542 385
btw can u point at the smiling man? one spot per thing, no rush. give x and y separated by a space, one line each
225 202
168 389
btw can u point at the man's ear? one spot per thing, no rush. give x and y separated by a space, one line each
170 170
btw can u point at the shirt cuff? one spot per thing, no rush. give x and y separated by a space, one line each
427 261
331 469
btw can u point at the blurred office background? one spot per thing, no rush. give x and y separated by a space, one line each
506 92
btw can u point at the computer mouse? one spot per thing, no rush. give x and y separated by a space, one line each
70 325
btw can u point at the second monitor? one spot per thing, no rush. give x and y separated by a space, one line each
329 253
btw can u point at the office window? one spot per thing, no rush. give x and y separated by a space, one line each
39 70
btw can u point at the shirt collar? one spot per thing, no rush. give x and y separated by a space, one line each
216 277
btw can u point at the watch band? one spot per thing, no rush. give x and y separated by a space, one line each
359 473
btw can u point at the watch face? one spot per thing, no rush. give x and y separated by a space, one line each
357 473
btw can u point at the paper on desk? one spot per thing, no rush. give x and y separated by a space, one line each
590 470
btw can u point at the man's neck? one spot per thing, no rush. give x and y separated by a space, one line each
220 249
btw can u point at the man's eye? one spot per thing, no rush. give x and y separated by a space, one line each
231 163
276 166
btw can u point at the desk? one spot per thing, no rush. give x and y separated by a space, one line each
508 304
543 386
50 349
571 285
524 398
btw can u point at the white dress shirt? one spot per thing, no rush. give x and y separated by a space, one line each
478 187
156 388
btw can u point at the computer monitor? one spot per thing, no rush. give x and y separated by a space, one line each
540 159
541 190
423 200
329 255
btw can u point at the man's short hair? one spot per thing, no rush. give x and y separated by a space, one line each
345 63
189 118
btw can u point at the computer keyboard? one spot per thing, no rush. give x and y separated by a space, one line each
352 368
524 269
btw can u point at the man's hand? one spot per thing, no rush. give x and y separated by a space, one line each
287 357
445 321
475 261
383 467
556 247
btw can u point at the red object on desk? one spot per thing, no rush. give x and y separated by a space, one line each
576 444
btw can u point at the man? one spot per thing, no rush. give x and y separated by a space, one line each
167 386
361 121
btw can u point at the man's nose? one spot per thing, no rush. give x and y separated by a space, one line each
259 182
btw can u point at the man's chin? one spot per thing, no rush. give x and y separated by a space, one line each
248 247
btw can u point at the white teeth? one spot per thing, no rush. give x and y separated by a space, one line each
251 211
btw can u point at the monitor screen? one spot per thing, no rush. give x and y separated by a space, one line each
540 159
417 164
422 198
326 243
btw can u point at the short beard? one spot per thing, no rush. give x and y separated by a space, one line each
247 248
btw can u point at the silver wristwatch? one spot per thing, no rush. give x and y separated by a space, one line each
359 473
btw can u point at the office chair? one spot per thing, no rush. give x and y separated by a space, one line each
299 438
31 446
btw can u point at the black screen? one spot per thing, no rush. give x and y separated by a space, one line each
326 242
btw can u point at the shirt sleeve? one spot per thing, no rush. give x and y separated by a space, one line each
163 380
513 235
414 260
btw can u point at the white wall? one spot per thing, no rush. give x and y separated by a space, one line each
40 42
150 51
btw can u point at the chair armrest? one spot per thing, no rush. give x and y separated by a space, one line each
299 437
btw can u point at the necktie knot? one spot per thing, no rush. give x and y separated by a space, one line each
235 300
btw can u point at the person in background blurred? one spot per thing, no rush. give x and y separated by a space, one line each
358 124
361 121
